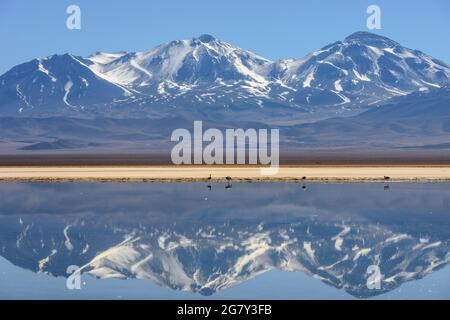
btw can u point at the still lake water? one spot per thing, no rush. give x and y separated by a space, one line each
250 241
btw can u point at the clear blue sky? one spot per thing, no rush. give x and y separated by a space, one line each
274 29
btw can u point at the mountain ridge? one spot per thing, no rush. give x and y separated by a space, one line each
217 77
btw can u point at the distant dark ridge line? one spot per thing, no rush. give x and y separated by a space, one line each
387 157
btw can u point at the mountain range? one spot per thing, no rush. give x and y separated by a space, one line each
207 79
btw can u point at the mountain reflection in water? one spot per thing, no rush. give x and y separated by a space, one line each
189 237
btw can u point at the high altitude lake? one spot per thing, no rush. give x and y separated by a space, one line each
248 241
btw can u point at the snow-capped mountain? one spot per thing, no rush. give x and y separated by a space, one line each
45 85
201 60
209 78
200 71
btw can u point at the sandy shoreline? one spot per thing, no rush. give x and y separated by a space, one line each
349 173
